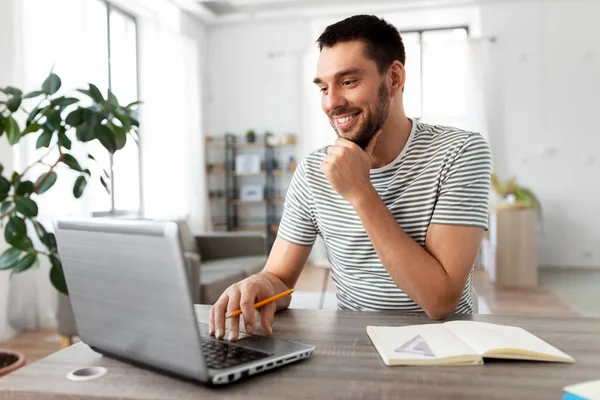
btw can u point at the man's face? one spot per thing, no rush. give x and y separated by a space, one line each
355 96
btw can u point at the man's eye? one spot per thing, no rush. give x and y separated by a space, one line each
346 83
323 89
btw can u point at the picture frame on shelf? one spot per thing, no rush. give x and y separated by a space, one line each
252 192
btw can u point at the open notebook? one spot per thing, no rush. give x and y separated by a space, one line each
459 343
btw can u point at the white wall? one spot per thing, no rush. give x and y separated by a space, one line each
548 57
540 129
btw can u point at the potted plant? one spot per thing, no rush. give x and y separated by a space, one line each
57 121
251 136
10 361
516 195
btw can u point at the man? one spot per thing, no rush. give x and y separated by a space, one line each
401 205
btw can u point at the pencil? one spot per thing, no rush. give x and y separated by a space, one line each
261 303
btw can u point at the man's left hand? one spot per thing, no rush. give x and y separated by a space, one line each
347 167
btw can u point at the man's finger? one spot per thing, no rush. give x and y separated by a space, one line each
219 315
371 146
267 317
211 321
234 322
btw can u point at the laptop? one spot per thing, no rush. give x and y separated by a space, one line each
131 299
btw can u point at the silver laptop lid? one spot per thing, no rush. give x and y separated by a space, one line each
129 291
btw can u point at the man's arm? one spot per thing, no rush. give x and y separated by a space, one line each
434 276
284 266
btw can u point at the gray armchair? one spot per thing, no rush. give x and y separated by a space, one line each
215 260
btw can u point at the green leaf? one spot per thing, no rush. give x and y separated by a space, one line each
79 186
40 230
33 94
84 133
106 137
4 184
44 139
120 135
12 130
96 94
64 102
13 91
134 122
25 263
15 227
33 114
51 84
21 242
9 258
23 187
71 162
5 206
75 117
54 119
31 128
26 206
1 168
125 121
91 157
104 184
112 99
64 141
49 241
135 103
14 103
47 183
57 276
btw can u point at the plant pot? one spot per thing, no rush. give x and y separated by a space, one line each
10 361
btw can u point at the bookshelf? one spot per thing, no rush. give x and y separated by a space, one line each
247 181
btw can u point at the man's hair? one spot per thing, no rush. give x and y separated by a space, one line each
383 41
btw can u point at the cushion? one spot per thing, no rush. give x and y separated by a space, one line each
249 265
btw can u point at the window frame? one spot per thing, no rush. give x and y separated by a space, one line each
114 212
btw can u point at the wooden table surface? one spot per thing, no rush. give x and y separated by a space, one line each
345 365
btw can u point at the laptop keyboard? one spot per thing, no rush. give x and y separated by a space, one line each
222 354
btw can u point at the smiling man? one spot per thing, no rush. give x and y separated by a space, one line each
401 205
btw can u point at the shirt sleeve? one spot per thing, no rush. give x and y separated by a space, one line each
464 193
297 224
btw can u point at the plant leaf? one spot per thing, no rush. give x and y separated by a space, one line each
50 241
25 263
23 187
79 186
31 128
15 227
106 137
44 139
33 94
112 99
54 119
134 103
57 276
13 103
13 91
75 117
21 242
91 157
12 130
26 206
4 185
64 141
51 84
64 102
33 114
96 94
104 184
5 206
84 133
47 183
120 135
39 229
9 258
71 162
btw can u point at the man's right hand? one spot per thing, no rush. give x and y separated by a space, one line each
243 295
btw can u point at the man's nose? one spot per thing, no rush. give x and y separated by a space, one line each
333 100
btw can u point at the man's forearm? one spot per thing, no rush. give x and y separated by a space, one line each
413 269
279 287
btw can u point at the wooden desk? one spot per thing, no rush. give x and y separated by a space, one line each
344 366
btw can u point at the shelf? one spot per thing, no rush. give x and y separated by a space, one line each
273 228
262 173
246 145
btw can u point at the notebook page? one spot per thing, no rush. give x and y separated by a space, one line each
417 342
485 337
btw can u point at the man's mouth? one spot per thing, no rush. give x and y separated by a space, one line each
346 121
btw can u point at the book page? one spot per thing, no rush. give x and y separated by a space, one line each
501 341
420 344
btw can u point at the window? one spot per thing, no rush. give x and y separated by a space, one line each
436 75
113 57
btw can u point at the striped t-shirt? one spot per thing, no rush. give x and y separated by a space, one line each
442 176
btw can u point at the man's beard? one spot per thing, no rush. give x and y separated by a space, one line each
371 125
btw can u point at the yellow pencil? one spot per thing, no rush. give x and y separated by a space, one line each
262 303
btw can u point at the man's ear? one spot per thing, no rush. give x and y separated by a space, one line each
397 77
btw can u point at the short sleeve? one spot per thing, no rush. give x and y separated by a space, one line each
297 223
464 193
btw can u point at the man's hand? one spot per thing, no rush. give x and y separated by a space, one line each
243 295
347 167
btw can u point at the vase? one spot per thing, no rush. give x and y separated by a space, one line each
10 361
